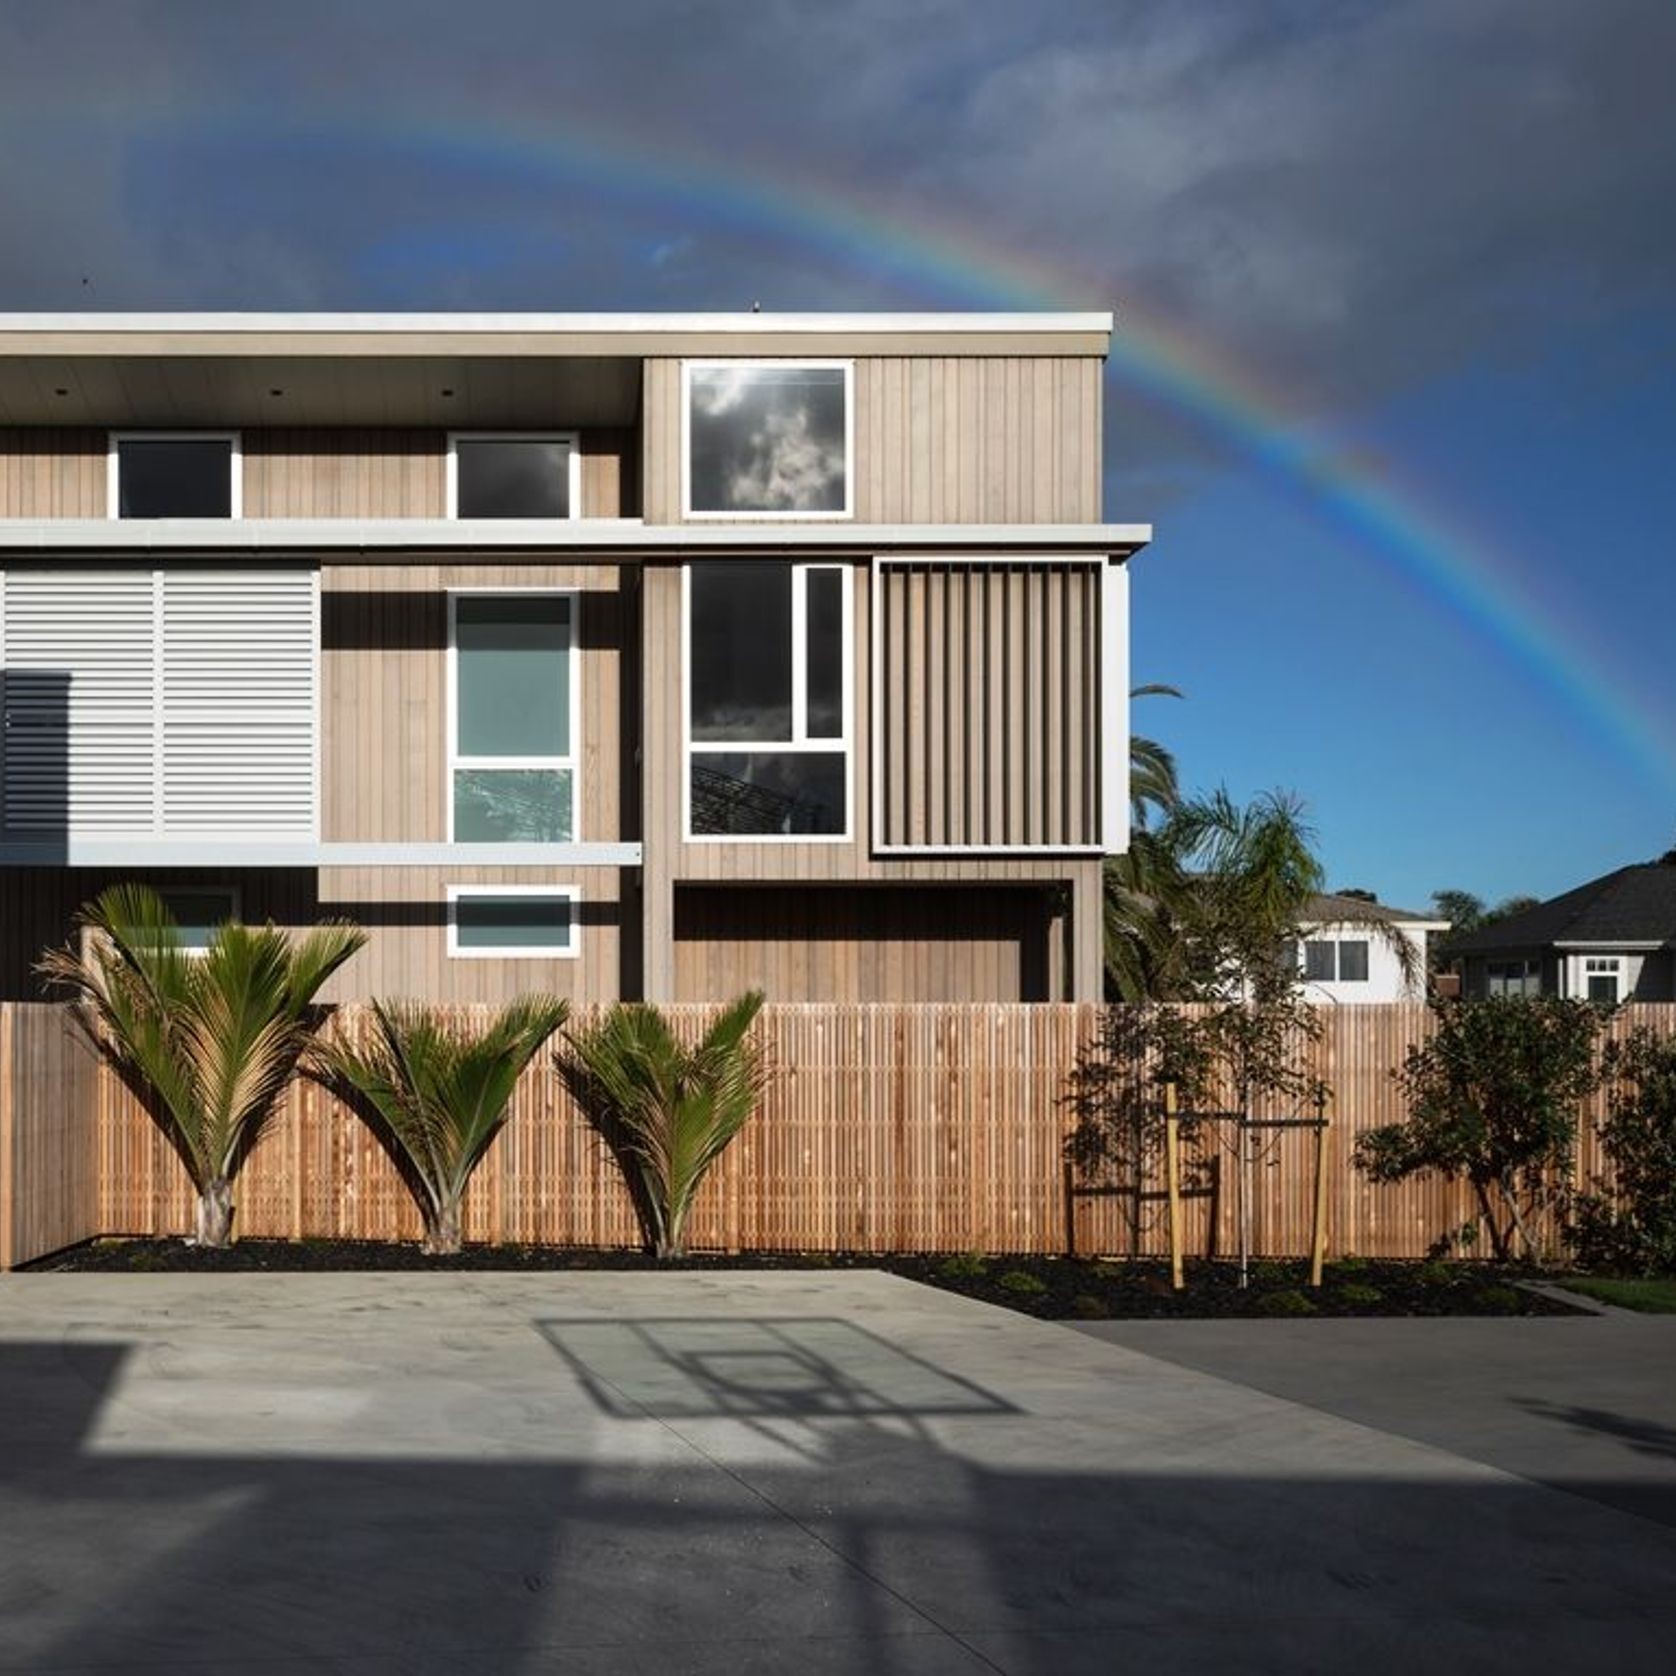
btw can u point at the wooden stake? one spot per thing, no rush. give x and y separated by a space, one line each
1172 1169
1318 1246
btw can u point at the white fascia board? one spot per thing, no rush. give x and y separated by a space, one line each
1611 945
302 536
224 854
524 324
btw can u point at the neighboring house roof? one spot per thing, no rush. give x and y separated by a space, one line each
1635 905
1341 910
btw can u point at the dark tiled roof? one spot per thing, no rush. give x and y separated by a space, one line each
1633 905
1330 910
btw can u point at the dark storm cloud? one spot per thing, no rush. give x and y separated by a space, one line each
1346 196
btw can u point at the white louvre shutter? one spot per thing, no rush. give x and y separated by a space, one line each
238 703
79 661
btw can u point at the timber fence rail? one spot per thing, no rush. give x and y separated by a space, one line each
887 1128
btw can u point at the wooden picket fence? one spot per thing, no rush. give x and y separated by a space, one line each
886 1129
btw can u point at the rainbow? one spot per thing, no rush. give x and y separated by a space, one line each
1151 357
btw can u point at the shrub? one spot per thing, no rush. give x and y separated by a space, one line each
1022 1283
1500 1300
1349 1265
667 1111
1273 1273
1360 1297
1632 1229
441 1091
964 1265
1288 1302
207 1042
1086 1307
1435 1273
1494 1097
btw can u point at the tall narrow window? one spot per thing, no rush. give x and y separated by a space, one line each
768 439
1603 977
159 474
513 772
769 658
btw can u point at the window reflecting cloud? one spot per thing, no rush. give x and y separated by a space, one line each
767 439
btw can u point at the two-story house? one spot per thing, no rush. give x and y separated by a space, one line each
615 655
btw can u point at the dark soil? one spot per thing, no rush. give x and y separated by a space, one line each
1054 1288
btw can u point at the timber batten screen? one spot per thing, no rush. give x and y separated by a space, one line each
987 705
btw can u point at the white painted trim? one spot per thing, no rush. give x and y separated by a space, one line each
573 467
235 851
598 537
799 743
875 707
570 950
753 322
986 851
1114 709
572 762
1630 945
846 512
113 472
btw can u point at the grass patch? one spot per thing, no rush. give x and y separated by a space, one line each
1651 1297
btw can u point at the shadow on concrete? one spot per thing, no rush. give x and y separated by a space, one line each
761 1496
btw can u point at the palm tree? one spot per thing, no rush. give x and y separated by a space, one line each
207 1041
1152 769
668 1111
442 1092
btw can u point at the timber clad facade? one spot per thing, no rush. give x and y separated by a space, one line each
615 656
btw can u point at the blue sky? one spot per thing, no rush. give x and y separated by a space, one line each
1436 236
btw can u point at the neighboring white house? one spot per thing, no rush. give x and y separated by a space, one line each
1350 949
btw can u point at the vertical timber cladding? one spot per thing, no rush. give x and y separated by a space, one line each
986 688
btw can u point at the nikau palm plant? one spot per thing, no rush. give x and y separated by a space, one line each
667 1110
442 1091
209 1040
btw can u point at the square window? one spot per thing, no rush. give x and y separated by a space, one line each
768 439
524 476
174 476
513 922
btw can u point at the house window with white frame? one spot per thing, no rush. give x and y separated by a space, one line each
514 474
199 911
1512 978
1603 978
174 474
769 657
767 439
513 922
513 717
1330 960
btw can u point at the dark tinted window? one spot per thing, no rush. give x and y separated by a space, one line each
824 652
1318 962
174 477
1353 962
512 477
768 793
741 651
513 922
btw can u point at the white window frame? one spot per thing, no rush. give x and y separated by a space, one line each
1604 966
799 743
231 892
847 511
573 438
523 951
573 761
113 466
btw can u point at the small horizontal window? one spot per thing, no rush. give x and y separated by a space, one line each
485 922
174 477
768 439
200 913
513 476
768 794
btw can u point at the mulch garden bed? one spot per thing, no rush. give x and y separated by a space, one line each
1053 1288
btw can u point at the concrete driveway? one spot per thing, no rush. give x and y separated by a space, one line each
782 1472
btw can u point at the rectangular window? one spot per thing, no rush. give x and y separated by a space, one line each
198 911
513 697
513 922
769 658
514 475
1603 977
1319 965
767 439
1353 962
1506 978
174 474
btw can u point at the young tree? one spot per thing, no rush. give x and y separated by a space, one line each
441 1091
667 1110
1630 1227
1495 1097
207 1041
